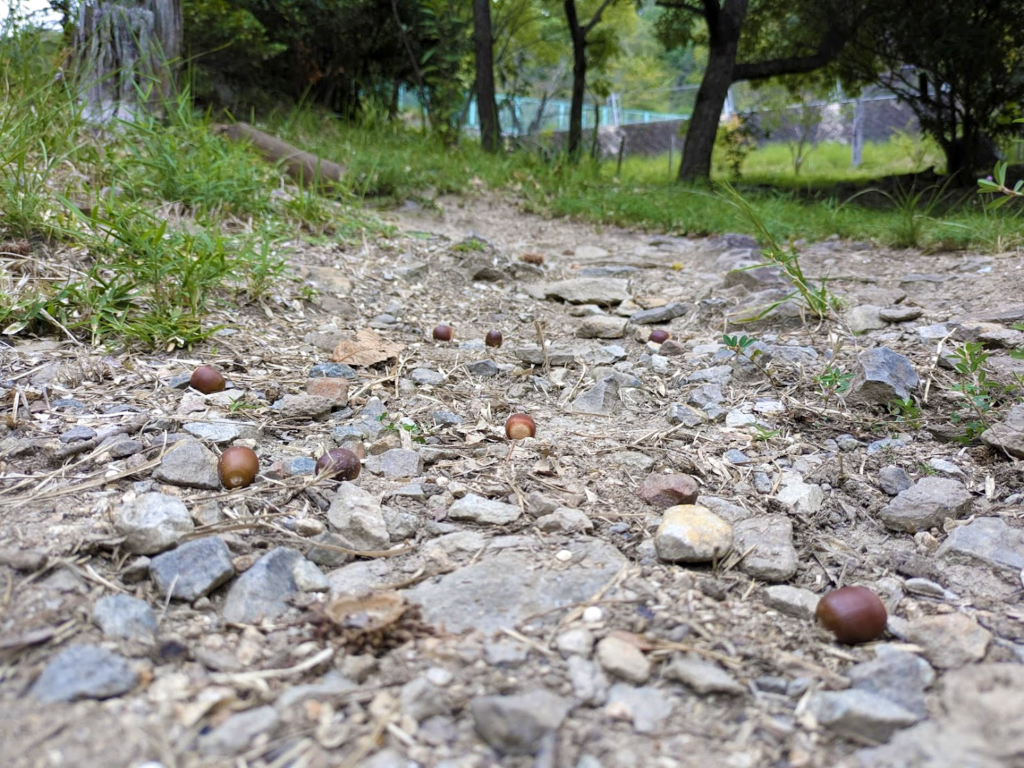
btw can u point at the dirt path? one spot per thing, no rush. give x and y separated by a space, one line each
539 607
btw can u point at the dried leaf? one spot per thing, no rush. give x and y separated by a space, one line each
366 348
366 613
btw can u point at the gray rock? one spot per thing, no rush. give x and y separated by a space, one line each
421 699
76 434
751 276
559 356
900 314
894 480
859 714
736 457
481 596
194 569
668 490
189 464
865 318
83 672
602 398
309 578
427 377
120 447
221 432
717 374
705 395
262 591
926 505
606 355
565 520
622 377
483 368
578 641
623 659
881 377
152 523
800 497
1007 435
702 676
659 314
304 406
988 540
601 327
356 516
399 462
123 616
686 415
773 557
507 654
327 557
516 725
898 676
238 731
690 533
792 601
589 683
589 290
477 509
885 444
333 371
945 467
648 708
949 640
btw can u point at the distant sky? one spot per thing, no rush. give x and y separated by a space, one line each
25 7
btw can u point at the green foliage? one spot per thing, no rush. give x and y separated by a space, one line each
977 389
832 381
737 137
906 411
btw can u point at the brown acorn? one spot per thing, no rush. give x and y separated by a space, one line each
444 333
519 426
339 463
493 339
238 467
206 379
852 614
659 336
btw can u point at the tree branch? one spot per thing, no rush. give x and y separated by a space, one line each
680 6
830 47
596 19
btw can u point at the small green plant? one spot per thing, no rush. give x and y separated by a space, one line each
914 208
906 411
740 345
818 302
470 245
978 391
833 381
406 425
763 434
737 138
996 184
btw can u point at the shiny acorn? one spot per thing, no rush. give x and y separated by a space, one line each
339 463
444 333
206 379
853 614
519 426
238 467
493 339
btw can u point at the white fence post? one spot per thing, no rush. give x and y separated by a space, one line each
857 143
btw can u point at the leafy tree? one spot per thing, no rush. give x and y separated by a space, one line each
959 64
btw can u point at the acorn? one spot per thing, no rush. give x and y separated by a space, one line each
206 379
520 425
238 467
852 614
339 463
443 333
659 336
493 339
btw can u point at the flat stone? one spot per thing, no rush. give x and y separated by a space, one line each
421 699
601 327
427 377
477 509
661 314
517 724
485 369
705 395
800 497
333 370
400 462
565 520
238 731
926 505
900 314
1007 435
152 523
987 540
605 355
482 597
189 464
222 431
949 640
934 332
123 616
327 557
881 377
602 398
331 388
686 415
894 480
773 557
647 708
898 676
83 672
263 590
356 515
716 374
193 570
664 491
77 434
578 641
702 676
865 318
588 680
692 534
557 355
792 601
303 407
589 290
309 578
859 714
623 659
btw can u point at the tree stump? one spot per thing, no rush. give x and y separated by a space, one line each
126 54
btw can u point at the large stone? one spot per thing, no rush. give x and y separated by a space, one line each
189 464
401 462
899 676
602 398
1007 435
690 533
950 639
659 314
262 591
193 570
601 327
702 676
773 556
792 601
865 318
926 505
664 491
800 497
589 290
485 597
859 714
123 616
987 540
356 515
152 523
517 724
881 377
83 672
623 659
477 509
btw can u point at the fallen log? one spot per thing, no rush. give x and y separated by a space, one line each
304 167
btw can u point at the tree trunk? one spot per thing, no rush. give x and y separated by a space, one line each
579 81
486 103
126 56
707 113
